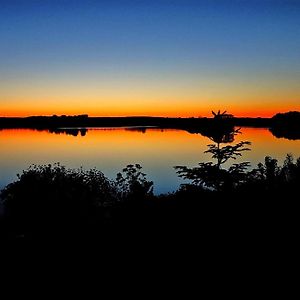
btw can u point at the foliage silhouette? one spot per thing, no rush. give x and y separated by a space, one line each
223 154
133 184
273 179
55 201
212 175
221 116
52 198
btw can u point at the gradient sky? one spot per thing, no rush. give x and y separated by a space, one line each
164 58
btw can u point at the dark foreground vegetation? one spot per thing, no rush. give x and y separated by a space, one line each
51 202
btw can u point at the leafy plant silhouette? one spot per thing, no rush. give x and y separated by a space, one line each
48 198
223 154
133 184
271 177
211 175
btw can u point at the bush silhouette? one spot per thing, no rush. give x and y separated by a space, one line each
50 198
132 184
273 179
56 201
54 196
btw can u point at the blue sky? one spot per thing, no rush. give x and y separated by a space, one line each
148 45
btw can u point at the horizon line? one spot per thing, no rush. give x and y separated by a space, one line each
138 116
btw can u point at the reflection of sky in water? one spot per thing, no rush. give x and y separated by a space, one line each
109 150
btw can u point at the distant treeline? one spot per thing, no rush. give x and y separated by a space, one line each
45 122
289 118
281 125
86 121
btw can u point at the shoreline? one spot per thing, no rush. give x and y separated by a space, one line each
44 122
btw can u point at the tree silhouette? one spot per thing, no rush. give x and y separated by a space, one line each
212 175
223 154
220 116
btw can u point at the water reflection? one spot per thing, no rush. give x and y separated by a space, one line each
216 134
287 133
111 149
70 131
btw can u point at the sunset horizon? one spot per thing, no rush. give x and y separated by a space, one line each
207 114
168 58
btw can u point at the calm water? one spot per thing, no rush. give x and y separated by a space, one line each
109 150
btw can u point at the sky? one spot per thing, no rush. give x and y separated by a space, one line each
162 58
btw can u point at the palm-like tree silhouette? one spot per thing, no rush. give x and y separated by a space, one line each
222 130
220 116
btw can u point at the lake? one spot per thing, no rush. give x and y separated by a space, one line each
111 149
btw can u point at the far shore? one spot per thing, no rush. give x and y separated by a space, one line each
281 125
84 121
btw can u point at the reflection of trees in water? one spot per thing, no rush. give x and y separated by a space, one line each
83 131
287 133
219 131
70 131
222 135
137 129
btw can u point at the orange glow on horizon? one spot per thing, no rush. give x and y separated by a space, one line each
165 97
184 113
